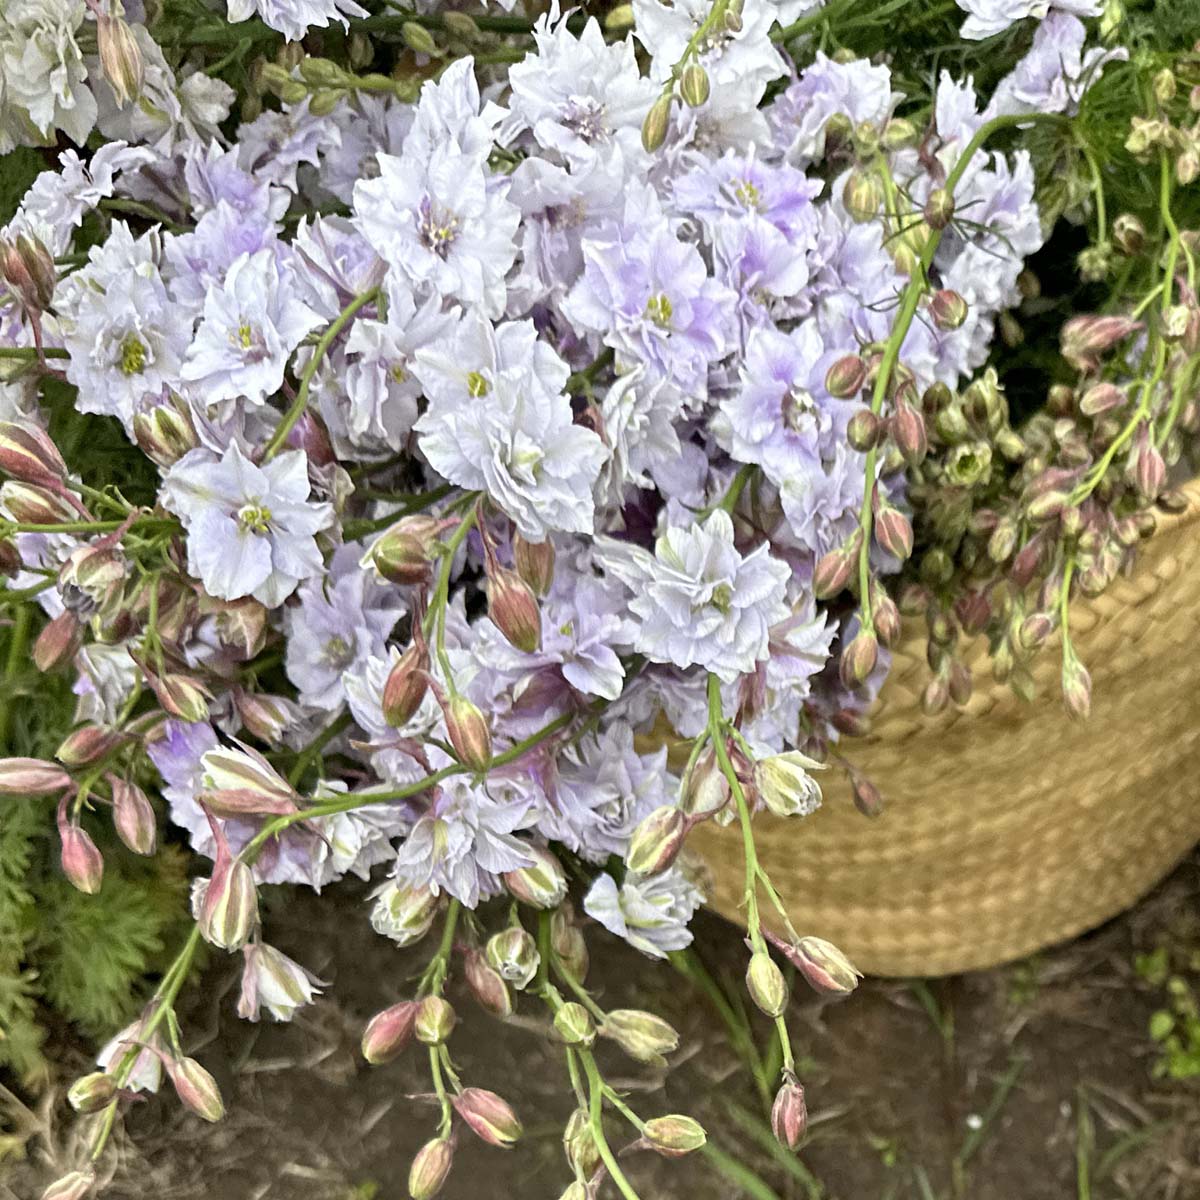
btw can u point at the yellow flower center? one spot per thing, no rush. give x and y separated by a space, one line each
477 385
660 310
133 356
256 518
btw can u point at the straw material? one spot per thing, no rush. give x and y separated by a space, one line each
1007 826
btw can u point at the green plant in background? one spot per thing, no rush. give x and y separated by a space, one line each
1176 1026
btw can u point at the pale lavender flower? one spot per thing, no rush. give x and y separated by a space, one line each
652 915
201 258
274 982
251 530
293 18
277 144
366 124
988 17
451 115
697 601
251 325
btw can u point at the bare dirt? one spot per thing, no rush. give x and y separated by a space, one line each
1030 1082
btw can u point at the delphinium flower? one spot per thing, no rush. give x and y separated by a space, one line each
44 73
293 18
251 530
252 322
650 914
986 18
697 600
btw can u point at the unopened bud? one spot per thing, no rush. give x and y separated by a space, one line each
693 84
514 609
785 785
1085 338
196 1088
182 697
31 777
1129 235
939 209
1076 688
863 196
266 717
28 268
406 685
133 817
514 954
859 659
435 1021
832 573
894 531
469 733
656 841
705 790
166 432
90 1093
908 432
488 1116
573 1023
579 1145
846 377
789 1115
642 1035
766 985
570 946
864 430
543 883
419 38
487 985
120 58
389 1031
824 966
32 504
28 454
82 863
948 309
534 562
867 797
401 554
654 127
430 1168
74 1185
461 25
229 909
674 1136
1101 398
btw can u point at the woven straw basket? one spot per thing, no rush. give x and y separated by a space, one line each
1007 826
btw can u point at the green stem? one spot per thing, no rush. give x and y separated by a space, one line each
441 593
18 638
314 748
596 1113
300 403
31 353
435 974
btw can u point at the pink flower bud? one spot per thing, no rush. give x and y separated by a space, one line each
196 1088
430 1168
542 884
182 696
1085 338
406 685
120 57
573 1023
514 954
28 268
893 531
908 432
469 733
488 1116
1102 398
939 209
766 985
239 780
705 790
72 1186
401 554
789 1114
31 777
656 841
1076 688
133 816
642 1035
166 432
1149 468
266 717
867 797
832 573
514 609
58 642
90 1093
311 435
28 454
948 309
534 562
87 745
435 1021
82 863
388 1032
674 1136
864 431
859 659
486 984
30 503
822 964
846 377
229 908
569 943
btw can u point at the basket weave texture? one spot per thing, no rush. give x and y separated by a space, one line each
1007 826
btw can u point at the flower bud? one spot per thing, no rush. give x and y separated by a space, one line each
182 697
859 659
542 884
469 733
573 1023
579 1145
1101 398
894 531
75 1185
824 966
656 841
832 572
82 863
693 84
401 554
908 432
514 609
570 946
28 454
789 1114
863 196
32 504
28 268
461 25
948 309
654 127
90 1093
488 1116
1076 688
430 1168
419 38
1129 235
229 908
674 1136
864 431
120 58
435 1021
705 790
846 377
403 914
389 1031
534 562
166 432
31 777
766 985
487 985
196 1088
1083 339
514 954
939 209
867 797
133 816
266 717
406 685
642 1035
935 696
1149 467
785 785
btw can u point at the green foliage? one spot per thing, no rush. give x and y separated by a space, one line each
1176 1026
18 170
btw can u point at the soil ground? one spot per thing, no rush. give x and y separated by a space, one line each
1030 1082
